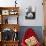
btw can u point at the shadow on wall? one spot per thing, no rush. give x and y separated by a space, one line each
37 29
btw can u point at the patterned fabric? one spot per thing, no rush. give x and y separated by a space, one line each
30 35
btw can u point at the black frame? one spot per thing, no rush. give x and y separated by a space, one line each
31 17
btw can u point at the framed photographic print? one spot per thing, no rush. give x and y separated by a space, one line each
30 14
7 34
5 12
13 12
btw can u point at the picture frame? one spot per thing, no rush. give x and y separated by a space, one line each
30 15
8 34
13 12
5 12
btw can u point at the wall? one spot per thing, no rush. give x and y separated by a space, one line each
23 4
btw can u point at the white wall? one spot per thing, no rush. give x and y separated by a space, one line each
23 4
38 21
